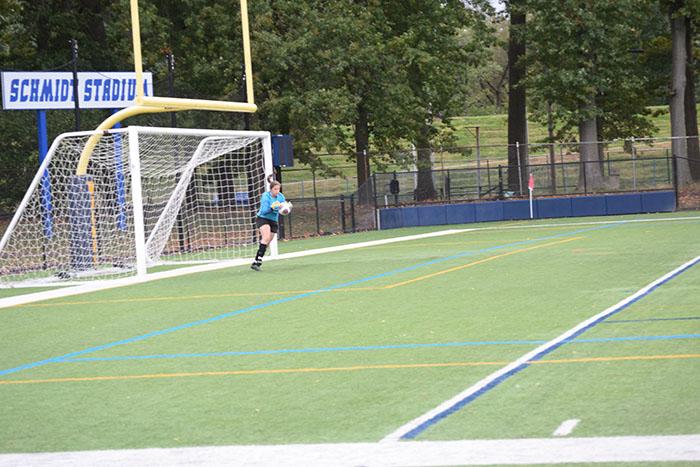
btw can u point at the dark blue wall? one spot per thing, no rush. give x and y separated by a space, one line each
602 205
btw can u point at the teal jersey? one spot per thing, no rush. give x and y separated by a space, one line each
266 210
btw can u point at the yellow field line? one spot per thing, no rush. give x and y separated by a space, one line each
337 369
617 359
481 261
295 292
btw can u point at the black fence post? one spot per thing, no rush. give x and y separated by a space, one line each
342 212
488 177
374 196
395 189
318 219
352 212
585 180
500 181
674 167
76 98
447 186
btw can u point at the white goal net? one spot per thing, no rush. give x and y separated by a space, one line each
150 197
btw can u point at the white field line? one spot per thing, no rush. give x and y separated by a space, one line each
570 224
408 454
442 409
111 284
566 427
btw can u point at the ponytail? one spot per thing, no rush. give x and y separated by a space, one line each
271 180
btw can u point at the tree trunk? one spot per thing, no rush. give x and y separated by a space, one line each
590 176
691 116
425 189
678 84
362 154
517 112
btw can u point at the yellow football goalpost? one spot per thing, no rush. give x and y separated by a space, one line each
144 104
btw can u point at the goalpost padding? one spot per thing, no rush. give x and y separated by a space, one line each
151 196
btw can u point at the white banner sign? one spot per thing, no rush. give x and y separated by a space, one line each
26 90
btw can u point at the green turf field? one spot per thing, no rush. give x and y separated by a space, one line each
349 346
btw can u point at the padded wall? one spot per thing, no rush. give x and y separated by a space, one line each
601 205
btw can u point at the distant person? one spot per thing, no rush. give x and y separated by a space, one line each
267 219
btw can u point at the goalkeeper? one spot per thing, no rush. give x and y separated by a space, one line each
270 202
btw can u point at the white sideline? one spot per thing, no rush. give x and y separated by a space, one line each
413 453
454 401
110 284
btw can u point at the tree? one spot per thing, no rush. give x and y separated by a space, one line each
690 104
678 86
488 91
387 70
517 108
580 62
437 44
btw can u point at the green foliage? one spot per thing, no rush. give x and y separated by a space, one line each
578 50
323 63
322 67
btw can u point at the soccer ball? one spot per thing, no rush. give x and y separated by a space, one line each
286 208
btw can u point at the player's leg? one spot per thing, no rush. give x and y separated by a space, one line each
266 236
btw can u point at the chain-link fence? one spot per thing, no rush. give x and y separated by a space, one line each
328 205
567 178
327 215
557 169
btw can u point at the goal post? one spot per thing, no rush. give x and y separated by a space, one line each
155 104
148 197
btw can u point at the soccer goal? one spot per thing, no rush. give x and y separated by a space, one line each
148 197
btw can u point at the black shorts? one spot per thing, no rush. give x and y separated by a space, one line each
274 226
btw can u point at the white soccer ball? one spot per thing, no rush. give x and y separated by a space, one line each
286 208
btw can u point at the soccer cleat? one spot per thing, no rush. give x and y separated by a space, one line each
255 267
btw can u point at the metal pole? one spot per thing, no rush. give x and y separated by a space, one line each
674 166
318 220
500 181
396 195
550 135
244 84
634 166
488 174
478 163
448 186
563 166
520 169
352 212
76 93
46 196
342 212
374 196
170 59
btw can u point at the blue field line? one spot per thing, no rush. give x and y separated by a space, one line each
372 347
614 321
230 314
413 433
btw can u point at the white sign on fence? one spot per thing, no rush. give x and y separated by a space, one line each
41 90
